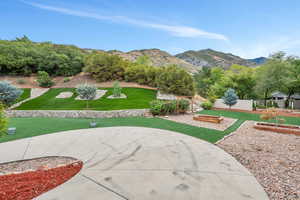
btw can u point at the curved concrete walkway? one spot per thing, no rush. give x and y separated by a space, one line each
140 164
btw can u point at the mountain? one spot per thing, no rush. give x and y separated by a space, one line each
259 60
212 58
158 58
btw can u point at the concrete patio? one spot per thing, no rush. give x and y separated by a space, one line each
139 164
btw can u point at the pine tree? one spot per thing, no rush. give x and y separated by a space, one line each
230 98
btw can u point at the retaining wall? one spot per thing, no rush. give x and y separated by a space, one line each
77 113
240 105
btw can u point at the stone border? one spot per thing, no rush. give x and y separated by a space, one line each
78 113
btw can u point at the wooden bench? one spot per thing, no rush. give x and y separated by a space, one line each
208 118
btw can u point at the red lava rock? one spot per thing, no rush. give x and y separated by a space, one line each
30 184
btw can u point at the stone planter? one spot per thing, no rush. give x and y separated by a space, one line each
278 128
208 118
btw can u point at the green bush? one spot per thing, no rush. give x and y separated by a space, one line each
175 80
207 105
3 120
156 107
86 92
117 89
105 67
183 105
44 80
159 107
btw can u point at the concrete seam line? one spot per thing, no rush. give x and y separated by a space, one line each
27 147
105 187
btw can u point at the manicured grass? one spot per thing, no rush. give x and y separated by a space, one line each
29 127
137 98
248 116
25 95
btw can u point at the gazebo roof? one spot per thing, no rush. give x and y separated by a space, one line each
278 94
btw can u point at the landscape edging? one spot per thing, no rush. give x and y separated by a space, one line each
77 113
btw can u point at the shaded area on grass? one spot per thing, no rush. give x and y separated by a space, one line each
248 116
137 98
29 127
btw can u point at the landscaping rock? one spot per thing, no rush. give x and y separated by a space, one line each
162 96
123 96
64 95
99 94
273 158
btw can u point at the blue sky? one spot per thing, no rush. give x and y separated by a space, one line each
246 28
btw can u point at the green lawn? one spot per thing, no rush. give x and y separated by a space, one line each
137 98
25 95
247 116
28 127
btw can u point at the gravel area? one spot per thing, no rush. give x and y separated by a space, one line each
35 164
99 94
123 96
188 119
273 158
64 95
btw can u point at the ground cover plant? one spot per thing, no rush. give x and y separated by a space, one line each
137 98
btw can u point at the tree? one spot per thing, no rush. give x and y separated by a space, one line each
230 98
175 80
44 79
86 92
271 76
9 93
105 67
3 120
117 89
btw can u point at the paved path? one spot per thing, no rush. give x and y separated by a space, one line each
140 164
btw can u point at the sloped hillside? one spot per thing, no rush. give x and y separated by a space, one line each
212 58
158 58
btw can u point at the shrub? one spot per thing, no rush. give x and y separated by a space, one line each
207 105
21 81
156 107
3 120
66 79
9 93
44 80
183 105
117 89
86 92
230 98
159 107
175 80
105 67
270 114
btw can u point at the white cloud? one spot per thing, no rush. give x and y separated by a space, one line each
267 47
179 31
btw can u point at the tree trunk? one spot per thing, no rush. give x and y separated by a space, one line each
266 96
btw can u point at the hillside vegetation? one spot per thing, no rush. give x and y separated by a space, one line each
211 58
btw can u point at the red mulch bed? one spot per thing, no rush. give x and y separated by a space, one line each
32 183
285 113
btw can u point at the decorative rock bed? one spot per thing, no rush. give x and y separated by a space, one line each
99 94
208 118
122 96
27 179
64 95
279 128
